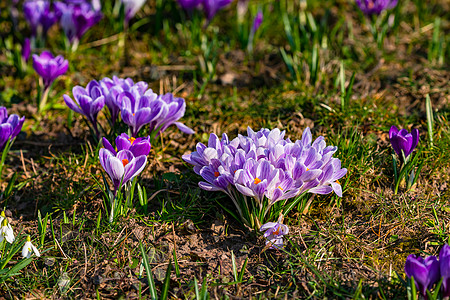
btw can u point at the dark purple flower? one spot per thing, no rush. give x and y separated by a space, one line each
444 262
139 146
274 234
88 102
122 166
190 4
10 126
425 271
375 7
139 108
172 110
257 21
403 141
49 67
39 15
77 18
211 7
26 49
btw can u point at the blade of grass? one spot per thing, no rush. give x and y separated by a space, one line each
151 283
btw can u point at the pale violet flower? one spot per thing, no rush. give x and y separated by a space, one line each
274 234
28 249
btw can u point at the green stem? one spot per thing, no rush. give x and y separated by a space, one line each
44 98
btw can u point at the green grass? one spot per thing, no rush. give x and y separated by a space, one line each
183 244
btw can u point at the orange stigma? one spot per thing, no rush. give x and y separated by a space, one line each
337 181
131 139
307 169
257 180
216 174
133 114
125 162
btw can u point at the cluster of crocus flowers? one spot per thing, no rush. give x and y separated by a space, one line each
137 105
209 7
375 7
266 167
428 271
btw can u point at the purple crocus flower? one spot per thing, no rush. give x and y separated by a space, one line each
425 271
375 7
26 50
49 67
10 126
77 18
274 234
122 166
444 262
190 5
112 88
39 16
403 140
139 146
211 7
172 110
257 21
139 108
88 102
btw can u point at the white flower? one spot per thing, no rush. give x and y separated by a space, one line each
6 232
29 248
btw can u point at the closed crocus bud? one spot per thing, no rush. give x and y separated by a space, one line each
189 4
425 271
26 49
444 263
257 21
403 140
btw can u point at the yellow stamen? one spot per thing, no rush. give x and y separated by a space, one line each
257 180
131 139
125 162
307 169
337 181
280 188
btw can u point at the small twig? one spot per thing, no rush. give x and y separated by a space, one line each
60 249
23 164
